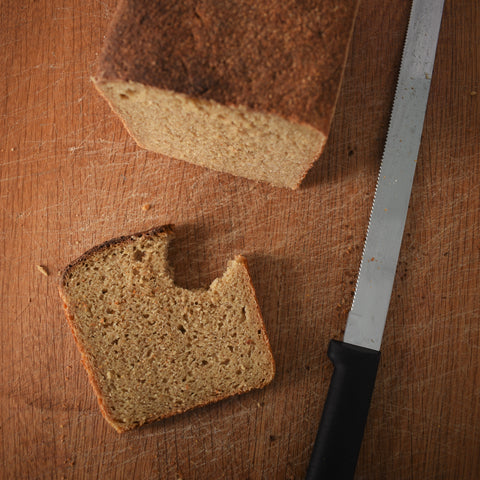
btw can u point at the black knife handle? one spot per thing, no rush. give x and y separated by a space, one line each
340 434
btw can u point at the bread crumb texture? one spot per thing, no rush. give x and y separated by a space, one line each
234 140
153 349
243 87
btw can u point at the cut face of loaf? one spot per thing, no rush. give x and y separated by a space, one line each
244 87
153 349
236 140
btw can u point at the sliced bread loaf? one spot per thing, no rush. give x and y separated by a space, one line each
153 349
243 87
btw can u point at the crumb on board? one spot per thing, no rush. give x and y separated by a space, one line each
146 207
43 270
473 93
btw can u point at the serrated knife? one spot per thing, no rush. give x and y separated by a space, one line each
356 358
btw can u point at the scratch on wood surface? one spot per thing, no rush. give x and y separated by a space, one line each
10 42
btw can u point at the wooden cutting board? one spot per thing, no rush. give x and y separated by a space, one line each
71 178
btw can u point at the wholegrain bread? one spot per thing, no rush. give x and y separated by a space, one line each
243 87
153 349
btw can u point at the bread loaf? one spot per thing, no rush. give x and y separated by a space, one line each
153 349
243 87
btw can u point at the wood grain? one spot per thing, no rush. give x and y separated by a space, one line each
71 178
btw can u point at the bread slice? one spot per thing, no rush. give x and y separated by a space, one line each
152 349
243 87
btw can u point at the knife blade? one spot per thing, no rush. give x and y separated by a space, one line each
356 358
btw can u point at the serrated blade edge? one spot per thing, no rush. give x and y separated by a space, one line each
367 317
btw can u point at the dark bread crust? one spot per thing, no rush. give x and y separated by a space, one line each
168 231
280 57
